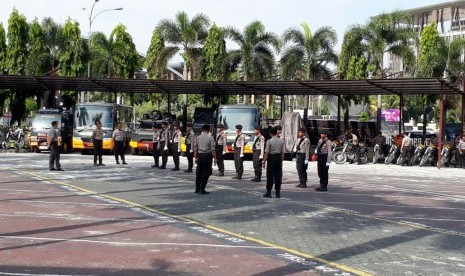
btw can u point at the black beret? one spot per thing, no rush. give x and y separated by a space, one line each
258 127
220 126
206 127
189 125
278 127
176 124
302 129
274 130
238 126
54 123
165 123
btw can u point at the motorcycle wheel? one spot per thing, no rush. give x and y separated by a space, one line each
340 157
375 158
414 160
400 160
363 158
425 160
389 159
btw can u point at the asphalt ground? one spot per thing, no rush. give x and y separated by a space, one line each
135 220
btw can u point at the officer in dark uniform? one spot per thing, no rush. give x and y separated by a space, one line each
273 160
163 144
239 145
176 145
220 148
258 149
323 150
155 148
204 151
53 138
189 148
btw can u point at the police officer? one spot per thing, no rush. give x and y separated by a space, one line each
155 141
189 147
323 150
356 147
258 149
163 144
239 144
302 148
119 141
406 149
204 151
176 145
53 139
220 148
461 153
273 160
97 139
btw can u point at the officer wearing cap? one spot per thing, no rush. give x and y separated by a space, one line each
220 148
204 152
273 160
279 133
163 144
53 138
176 145
258 149
323 149
301 149
97 139
189 148
155 141
239 144
119 142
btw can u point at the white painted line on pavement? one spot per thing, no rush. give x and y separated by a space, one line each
74 218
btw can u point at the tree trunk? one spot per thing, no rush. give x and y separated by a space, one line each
423 137
346 118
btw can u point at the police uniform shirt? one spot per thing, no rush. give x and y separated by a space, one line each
274 146
156 136
303 146
97 134
189 137
324 147
177 138
259 144
118 135
163 135
53 134
221 140
240 142
204 143
406 142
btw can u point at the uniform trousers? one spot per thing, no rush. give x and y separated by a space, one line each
119 150
323 170
190 157
204 170
175 153
164 154
274 172
238 161
220 158
406 154
302 168
257 164
54 160
98 150
155 153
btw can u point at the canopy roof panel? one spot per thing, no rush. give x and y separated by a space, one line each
279 88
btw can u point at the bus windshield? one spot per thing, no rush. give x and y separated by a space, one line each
230 117
86 115
44 121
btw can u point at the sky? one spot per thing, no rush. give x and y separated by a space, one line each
141 16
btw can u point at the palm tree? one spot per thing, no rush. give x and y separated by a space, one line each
54 42
309 55
255 58
186 35
105 54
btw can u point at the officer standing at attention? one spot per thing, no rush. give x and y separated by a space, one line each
220 148
119 141
97 139
53 138
239 145
406 149
273 160
176 145
155 141
323 150
204 151
302 148
190 136
163 145
258 149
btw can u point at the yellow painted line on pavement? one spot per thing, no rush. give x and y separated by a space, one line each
220 230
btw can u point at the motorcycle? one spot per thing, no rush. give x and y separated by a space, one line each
417 154
448 155
378 153
348 154
14 139
394 152
336 147
429 155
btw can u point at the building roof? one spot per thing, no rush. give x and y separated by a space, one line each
278 88
434 11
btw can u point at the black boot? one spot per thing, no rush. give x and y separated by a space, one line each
239 176
278 194
267 194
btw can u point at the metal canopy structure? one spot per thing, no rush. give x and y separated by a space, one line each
399 87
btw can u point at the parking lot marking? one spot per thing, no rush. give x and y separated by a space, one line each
220 230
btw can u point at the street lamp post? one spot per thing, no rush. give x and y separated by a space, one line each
91 20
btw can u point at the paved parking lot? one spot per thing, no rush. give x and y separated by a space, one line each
376 219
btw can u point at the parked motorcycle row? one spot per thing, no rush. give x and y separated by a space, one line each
14 138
